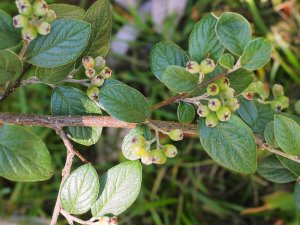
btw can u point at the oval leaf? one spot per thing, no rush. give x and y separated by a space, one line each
71 101
270 135
231 144
240 80
124 103
10 66
234 32
53 75
185 112
64 44
291 165
80 190
119 188
227 61
66 11
265 115
247 111
24 158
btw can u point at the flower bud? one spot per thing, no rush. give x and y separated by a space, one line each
24 7
207 66
285 101
100 62
192 67
50 16
211 120
223 83
106 72
97 81
146 157
176 135
93 92
248 95
29 33
214 104
88 62
233 104
44 28
224 114
213 89
90 73
40 8
297 107
20 21
276 106
158 156
277 90
169 150
203 111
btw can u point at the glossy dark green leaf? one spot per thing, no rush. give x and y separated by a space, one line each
185 112
265 115
53 75
10 66
247 111
240 80
66 11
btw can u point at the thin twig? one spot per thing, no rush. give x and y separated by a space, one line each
23 50
278 152
75 219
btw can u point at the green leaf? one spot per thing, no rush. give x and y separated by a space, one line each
287 134
178 80
66 11
271 169
165 54
99 15
257 53
270 135
9 35
227 61
10 66
247 111
265 115
231 144
203 40
71 101
234 32
185 112
63 45
80 191
291 165
124 103
23 156
240 80
53 75
119 188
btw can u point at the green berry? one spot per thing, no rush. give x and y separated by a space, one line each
297 107
24 7
176 134
20 21
44 28
223 83
203 111
207 66
138 141
169 150
285 101
100 62
262 90
50 16
40 8
224 114
276 105
214 104
213 89
248 95
29 33
90 73
233 104
192 67
93 92
146 157
88 62
97 81
277 90
158 156
211 120
106 72
227 93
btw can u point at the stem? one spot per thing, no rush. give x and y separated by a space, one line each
278 152
84 82
75 219
23 50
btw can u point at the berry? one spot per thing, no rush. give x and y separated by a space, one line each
29 33
285 101
207 66
90 73
276 105
100 62
211 120
97 81
297 107
176 135
44 28
203 111
233 104
146 157
248 95
88 62
93 92
192 67
158 156
50 16
224 114
169 150
20 21
107 221
227 94
40 8
24 7
106 72
138 141
262 89
213 89
277 90
214 104
223 83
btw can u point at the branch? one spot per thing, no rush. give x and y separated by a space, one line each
75 219
278 152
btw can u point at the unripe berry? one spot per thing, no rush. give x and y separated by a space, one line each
214 104
276 105
93 92
227 93
224 114
213 89
24 7
88 62
203 111
50 16
138 141
285 101
223 83
192 67
248 95
100 62
29 33
40 8
20 21
90 73
97 81
158 156
262 89
106 72
233 104
146 157
44 28
297 107
207 66
176 134
277 90
169 150
211 120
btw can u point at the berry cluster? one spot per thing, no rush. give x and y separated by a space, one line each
96 70
206 66
34 18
